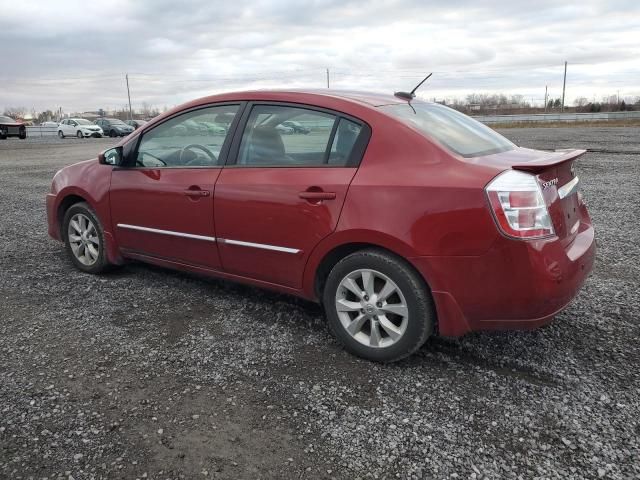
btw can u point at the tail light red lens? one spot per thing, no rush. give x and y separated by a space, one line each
518 205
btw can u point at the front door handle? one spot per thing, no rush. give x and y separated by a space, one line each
316 196
196 193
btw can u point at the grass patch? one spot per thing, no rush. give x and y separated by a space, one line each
634 122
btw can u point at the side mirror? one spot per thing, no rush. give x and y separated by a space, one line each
113 156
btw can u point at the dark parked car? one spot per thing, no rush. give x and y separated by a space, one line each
12 128
136 124
403 218
114 127
297 126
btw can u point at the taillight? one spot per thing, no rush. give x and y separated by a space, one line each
518 205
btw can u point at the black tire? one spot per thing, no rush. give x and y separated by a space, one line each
101 263
79 134
113 134
23 134
421 316
60 134
3 134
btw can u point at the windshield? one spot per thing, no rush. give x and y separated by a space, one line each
454 130
82 121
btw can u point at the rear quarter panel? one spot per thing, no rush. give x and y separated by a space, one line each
414 198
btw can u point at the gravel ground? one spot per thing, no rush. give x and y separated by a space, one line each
149 373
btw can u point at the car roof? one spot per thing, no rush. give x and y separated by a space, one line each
310 96
349 101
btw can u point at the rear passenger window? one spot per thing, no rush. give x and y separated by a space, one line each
287 136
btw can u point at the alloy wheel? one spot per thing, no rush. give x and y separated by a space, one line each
372 308
83 239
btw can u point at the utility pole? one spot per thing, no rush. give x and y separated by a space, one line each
328 78
545 98
564 84
129 95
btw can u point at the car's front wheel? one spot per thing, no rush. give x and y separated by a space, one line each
377 306
113 133
84 239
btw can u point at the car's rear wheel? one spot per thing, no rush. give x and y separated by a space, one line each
3 134
22 134
113 133
60 134
79 134
378 306
84 239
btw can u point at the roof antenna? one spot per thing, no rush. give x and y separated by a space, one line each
411 95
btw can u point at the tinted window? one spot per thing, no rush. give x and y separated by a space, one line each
269 139
193 139
457 132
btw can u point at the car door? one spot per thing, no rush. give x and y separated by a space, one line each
280 195
162 197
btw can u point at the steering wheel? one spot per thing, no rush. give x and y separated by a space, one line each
196 146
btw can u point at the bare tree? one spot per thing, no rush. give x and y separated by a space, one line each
581 101
15 112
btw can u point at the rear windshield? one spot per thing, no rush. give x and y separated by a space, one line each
457 132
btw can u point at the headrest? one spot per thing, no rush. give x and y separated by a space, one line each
266 146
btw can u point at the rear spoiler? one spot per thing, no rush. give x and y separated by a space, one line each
552 160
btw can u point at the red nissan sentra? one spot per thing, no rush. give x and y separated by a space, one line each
403 218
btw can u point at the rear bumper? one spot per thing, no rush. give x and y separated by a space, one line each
515 285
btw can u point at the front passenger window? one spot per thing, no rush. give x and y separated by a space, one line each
193 139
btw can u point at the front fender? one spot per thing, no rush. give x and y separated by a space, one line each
89 181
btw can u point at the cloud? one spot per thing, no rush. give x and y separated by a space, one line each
75 54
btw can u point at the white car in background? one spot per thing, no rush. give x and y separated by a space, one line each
78 127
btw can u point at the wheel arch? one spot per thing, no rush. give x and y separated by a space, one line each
67 202
338 246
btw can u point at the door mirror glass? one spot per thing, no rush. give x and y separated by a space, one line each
113 156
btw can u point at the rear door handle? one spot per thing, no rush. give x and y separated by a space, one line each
196 193
317 195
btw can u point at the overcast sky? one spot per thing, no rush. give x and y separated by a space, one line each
75 54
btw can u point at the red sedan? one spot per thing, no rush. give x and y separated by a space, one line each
403 218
